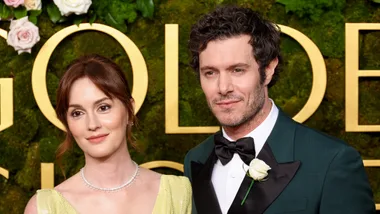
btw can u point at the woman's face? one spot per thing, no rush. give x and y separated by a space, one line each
97 122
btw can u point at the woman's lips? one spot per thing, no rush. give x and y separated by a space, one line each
97 138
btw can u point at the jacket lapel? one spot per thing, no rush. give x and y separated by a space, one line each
264 193
283 169
204 197
203 191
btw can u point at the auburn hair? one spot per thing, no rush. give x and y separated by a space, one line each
108 77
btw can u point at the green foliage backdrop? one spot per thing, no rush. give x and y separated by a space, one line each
33 139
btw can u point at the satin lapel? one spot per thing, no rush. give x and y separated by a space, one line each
264 193
204 195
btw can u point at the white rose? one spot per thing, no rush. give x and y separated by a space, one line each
68 7
23 35
258 169
33 4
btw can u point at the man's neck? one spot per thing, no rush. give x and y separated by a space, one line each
240 131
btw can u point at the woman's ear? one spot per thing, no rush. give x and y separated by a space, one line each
133 104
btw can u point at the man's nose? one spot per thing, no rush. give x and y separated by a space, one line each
225 83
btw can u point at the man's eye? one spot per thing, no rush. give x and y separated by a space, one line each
209 73
238 70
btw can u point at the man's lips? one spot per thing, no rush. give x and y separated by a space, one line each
97 138
226 103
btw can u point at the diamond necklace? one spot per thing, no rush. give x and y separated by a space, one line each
113 188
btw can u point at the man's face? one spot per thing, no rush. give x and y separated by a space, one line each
230 79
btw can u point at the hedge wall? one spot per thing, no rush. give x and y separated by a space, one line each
33 139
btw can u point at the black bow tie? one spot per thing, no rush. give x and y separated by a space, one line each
225 149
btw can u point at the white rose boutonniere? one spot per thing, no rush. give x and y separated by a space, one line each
68 7
258 171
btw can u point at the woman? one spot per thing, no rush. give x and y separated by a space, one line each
95 105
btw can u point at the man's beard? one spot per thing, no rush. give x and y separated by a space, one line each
250 113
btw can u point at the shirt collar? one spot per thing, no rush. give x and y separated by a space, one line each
261 133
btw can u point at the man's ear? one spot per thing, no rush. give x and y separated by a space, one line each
269 70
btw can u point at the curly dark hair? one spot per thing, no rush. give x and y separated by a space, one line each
229 21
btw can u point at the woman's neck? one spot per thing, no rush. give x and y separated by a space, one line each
111 171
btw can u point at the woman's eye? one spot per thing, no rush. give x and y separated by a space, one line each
104 107
76 113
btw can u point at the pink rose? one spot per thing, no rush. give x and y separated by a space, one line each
23 35
14 3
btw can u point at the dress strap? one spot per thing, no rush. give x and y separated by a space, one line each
50 201
44 201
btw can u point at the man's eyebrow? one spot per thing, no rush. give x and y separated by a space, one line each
231 67
207 67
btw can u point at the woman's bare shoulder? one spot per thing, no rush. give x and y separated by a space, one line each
150 177
31 207
66 186
69 184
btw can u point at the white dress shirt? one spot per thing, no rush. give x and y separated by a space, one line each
228 178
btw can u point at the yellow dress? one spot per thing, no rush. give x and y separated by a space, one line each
174 197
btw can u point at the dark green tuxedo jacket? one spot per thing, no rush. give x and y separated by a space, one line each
311 173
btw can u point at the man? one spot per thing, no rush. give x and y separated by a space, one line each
236 54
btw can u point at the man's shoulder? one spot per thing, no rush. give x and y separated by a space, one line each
202 149
307 137
317 140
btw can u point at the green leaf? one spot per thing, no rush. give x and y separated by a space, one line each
62 19
92 18
6 12
33 19
376 1
20 12
312 9
1 9
78 20
118 25
35 12
54 13
146 7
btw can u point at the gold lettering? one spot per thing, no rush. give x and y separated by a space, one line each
6 104
3 33
6 97
171 87
6 110
4 173
371 163
165 164
352 77
139 69
318 66
47 175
